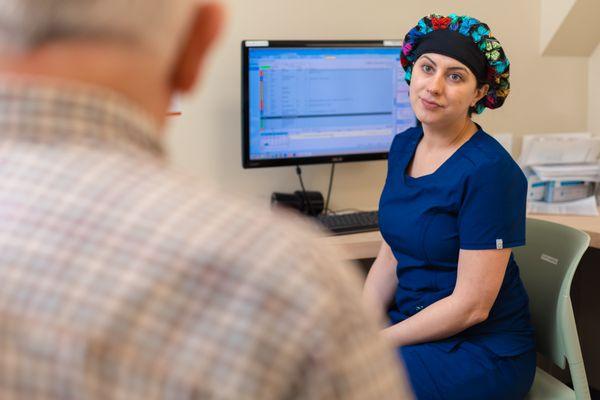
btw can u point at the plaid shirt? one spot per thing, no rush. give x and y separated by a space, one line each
123 279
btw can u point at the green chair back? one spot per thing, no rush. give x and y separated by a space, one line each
547 265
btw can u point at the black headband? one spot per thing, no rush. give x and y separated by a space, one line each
453 44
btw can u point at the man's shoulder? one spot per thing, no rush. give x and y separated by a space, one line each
152 212
227 227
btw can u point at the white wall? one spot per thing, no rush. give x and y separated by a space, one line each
549 94
594 92
552 13
561 27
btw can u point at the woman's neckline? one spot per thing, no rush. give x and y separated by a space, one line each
449 160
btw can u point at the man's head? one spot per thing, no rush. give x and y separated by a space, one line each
115 43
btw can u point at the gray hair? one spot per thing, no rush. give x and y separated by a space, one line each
155 25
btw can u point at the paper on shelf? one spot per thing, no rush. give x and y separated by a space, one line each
574 172
559 148
587 206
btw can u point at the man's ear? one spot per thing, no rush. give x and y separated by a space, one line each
205 27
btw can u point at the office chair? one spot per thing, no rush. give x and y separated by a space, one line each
547 264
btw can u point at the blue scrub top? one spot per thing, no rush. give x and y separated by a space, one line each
475 200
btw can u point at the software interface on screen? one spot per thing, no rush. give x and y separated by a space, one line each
310 102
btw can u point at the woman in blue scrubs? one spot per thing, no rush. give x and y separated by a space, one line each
452 208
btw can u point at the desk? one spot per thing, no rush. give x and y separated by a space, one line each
366 245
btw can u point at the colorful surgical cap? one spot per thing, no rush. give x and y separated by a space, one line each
496 63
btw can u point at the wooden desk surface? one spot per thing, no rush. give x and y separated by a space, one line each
366 245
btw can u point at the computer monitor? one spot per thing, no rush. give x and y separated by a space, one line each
308 102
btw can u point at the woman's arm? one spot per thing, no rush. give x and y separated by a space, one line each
381 281
480 275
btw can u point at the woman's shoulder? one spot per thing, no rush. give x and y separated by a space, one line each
488 157
483 150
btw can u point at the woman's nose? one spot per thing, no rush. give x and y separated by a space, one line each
435 86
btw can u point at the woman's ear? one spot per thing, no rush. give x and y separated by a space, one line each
480 93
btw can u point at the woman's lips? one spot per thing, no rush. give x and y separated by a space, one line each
429 105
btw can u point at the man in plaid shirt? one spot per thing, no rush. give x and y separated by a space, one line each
121 278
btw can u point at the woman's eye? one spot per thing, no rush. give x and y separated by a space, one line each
455 77
427 68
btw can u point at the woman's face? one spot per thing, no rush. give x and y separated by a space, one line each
442 89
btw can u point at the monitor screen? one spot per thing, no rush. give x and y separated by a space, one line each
318 102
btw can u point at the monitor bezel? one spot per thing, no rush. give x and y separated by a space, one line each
281 162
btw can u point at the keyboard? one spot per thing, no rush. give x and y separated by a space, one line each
341 224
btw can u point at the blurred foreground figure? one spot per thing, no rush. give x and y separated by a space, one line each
123 279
